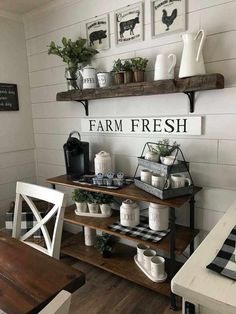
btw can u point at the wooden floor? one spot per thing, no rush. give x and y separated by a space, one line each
105 293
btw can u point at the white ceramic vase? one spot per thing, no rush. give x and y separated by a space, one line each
105 209
81 207
129 214
93 208
158 217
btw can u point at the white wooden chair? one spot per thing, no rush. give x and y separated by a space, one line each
28 191
59 305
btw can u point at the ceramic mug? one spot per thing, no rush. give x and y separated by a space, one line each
158 267
164 67
140 250
178 181
168 160
146 176
104 79
147 256
160 181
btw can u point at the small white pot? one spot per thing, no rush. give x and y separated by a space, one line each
89 236
93 208
105 209
81 207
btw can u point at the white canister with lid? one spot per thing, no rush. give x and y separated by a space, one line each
102 163
129 213
158 217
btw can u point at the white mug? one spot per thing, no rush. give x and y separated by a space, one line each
160 181
158 267
140 250
104 79
147 256
178 181
146 176
168 160
164 67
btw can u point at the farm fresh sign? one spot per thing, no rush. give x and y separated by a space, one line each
157 125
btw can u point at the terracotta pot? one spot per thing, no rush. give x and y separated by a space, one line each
128 77
138 76
119 78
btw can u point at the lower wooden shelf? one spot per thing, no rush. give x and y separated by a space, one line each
121 263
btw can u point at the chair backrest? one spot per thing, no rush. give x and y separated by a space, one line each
27 191
59 305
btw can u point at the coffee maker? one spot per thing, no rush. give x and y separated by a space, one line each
76 155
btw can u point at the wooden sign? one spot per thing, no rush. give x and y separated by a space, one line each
8 97
154 125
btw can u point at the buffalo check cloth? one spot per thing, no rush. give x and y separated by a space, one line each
224 262
141 231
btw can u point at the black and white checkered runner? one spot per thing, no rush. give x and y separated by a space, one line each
141 231
224 262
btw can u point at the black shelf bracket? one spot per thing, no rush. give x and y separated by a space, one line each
85 104
191 96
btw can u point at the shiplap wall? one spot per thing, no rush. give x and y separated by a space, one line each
17 160
212 155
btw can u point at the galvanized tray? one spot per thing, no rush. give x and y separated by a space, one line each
181 166
163 194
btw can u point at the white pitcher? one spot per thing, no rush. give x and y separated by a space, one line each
164 67
88 74
192 62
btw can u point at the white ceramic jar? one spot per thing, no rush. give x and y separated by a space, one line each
129 213
102 163
158 217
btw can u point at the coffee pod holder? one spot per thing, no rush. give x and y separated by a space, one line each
147 273
178 165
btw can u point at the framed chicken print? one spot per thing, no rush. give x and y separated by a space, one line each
129 24
168 16
97 33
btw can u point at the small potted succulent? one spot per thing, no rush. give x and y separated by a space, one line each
105 244
118 70
128 73
138 66
105 203
93 202
165 149
75 54
80 197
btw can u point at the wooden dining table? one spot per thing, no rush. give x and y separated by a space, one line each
30 279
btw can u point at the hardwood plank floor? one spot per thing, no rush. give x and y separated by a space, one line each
105 293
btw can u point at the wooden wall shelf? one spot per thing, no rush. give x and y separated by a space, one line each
187 85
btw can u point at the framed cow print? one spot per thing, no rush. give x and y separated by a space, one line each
129 24
168 16
98 33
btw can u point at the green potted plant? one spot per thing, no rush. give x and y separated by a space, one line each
93 202
118 70
80 197
165 149
74 54
138 66
128 73
105 203
105 244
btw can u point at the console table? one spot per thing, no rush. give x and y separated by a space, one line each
122 262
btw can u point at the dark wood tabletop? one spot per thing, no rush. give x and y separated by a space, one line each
30 279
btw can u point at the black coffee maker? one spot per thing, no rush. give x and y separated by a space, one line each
76 156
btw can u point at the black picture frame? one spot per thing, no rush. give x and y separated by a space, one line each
8 97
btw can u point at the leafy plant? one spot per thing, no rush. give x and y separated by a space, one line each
164 148
72 52
80 196
105 244
139 64
99 198
127 66
118 66
105 198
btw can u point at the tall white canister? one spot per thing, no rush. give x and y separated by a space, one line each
158 217
102 163
129 213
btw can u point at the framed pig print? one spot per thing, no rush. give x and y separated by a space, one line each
129 24
168 16
98 33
